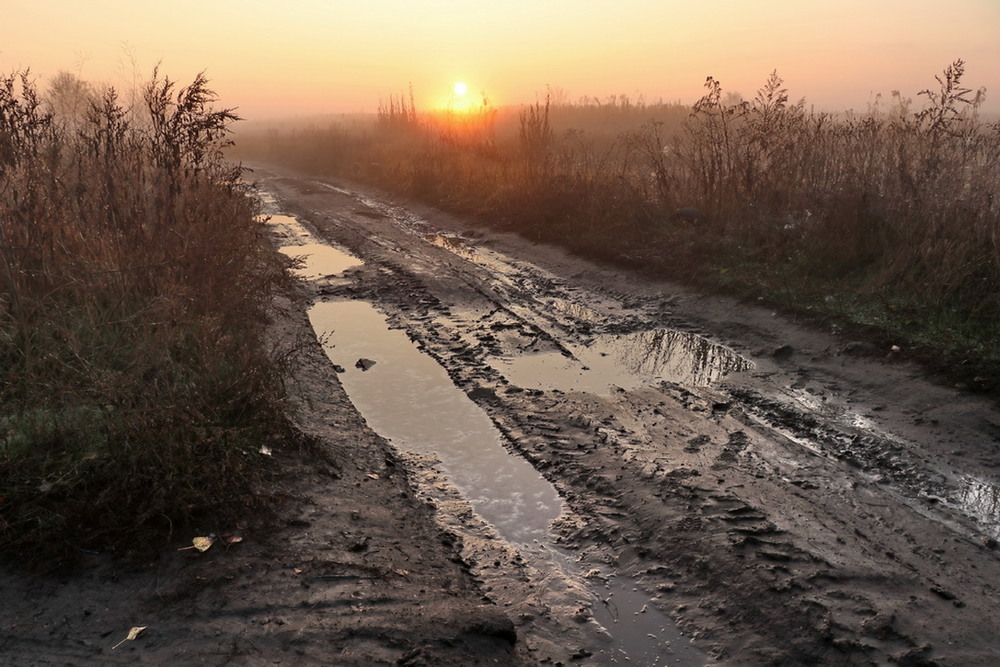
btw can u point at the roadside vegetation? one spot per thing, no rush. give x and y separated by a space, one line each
888 219
136 386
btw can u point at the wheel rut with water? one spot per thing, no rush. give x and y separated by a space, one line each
625 478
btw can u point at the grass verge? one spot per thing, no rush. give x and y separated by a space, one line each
136 387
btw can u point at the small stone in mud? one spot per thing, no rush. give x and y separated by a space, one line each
361 545
364 364
913 656
337 368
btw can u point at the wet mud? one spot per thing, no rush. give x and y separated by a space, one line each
410 400
779 498
692 479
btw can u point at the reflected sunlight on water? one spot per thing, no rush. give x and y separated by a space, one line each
409 398
627 361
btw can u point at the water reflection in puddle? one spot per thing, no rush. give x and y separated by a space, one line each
320 260
981 499
627 361
409 398
287 228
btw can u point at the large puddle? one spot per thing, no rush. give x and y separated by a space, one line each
407 397
627 361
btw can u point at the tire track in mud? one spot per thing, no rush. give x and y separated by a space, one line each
770 533
548 566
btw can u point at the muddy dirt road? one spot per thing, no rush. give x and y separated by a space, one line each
783 494
636 474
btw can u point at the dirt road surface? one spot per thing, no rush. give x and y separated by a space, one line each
785 495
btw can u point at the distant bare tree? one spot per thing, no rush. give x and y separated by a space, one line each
68 98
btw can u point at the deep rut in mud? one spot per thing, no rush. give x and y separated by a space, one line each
781 498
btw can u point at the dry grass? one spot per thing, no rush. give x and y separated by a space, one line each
135 389
888 218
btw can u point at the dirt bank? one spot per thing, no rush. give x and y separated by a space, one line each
784 494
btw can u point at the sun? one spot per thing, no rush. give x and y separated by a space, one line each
460 88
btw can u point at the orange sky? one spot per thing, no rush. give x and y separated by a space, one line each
312 56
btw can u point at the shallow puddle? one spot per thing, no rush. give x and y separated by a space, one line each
627 361
640 633
464 249
456 244
288 229
407 397
320 260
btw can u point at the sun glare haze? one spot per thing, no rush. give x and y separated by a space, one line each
311 56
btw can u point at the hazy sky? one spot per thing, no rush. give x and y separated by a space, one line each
310 56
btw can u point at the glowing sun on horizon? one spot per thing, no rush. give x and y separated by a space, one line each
460 88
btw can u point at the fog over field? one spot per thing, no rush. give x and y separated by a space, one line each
308 57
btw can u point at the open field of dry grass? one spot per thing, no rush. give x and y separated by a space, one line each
887 219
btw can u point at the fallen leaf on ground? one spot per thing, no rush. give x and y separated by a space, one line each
202 543
132 634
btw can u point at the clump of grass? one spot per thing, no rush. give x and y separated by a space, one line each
897 205
135 384
398 113
887 218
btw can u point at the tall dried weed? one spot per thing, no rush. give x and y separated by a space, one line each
135 386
